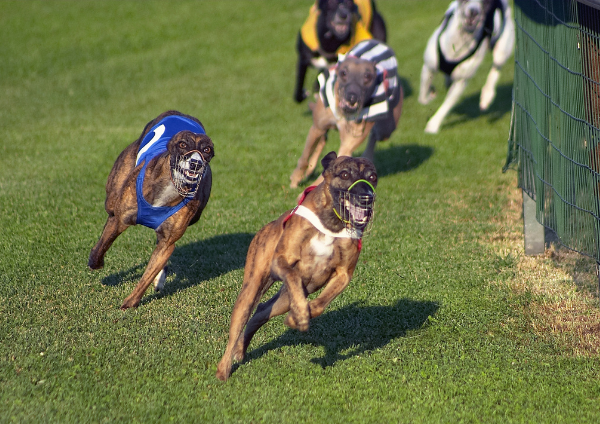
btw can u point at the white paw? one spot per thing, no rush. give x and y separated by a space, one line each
487 97
425 99
159 280
432 128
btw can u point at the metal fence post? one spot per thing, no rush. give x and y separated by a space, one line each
535 243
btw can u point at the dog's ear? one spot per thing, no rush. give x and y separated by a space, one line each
326 161
322 4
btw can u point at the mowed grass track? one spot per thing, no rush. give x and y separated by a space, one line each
426 331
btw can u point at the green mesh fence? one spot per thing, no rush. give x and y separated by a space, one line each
554 140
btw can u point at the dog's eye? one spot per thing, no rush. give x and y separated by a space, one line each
368 78
343 73
345 175
207 150
182 145
373 178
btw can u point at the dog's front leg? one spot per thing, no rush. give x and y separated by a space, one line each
351 136
112 229
158 260
298 303
304 54
502 51
454 92
314 158
317 306
316 136
426 90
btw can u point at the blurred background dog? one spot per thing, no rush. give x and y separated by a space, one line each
457 47
361 97
333 27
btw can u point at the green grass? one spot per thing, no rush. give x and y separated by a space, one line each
422 334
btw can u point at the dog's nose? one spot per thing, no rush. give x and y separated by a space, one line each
352 98
472 12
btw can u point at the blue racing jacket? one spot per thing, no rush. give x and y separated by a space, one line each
153 145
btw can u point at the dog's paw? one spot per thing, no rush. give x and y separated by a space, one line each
296 177
426 98
300 96
432 128
95 263
238 350
159 280
223 371
130 303
487 97
296 324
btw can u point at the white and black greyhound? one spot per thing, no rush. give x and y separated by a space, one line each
457 48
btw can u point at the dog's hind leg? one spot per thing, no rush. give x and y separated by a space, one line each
257 280
112 229
159 280
500 54
246 301
158 260
279 304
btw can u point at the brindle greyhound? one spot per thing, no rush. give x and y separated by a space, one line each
311 247
362 96
333 27
161 181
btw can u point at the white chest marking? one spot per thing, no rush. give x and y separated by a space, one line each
322 245
166 196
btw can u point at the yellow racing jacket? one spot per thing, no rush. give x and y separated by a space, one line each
359 30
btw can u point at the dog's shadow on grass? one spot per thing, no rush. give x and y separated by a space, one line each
193 263
468 108
400 158
354 330
389 161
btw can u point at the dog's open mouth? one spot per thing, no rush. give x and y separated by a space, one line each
191 166
187 173
191 176
349 108
359 214
341 28
356 205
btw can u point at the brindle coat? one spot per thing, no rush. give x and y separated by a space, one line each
305 259
121 201
361 75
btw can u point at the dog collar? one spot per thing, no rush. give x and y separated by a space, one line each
306 213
